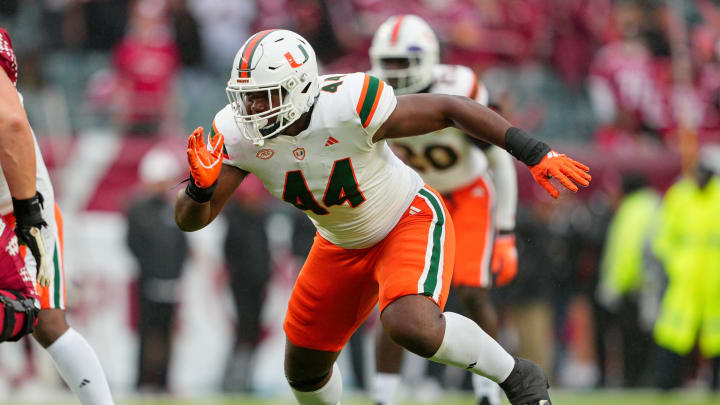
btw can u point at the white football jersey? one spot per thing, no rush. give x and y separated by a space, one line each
355 191
447 159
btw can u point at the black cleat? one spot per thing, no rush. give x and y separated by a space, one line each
527 384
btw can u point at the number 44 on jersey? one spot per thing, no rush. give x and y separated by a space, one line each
342 186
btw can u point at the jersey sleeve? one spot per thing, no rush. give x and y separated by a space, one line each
7 56
505 181
374 102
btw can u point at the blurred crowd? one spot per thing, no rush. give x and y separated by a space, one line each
619 74
615 285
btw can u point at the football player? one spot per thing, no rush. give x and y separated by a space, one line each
320 144
38 225
405 54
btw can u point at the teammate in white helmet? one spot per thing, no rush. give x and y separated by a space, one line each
477 181
320 143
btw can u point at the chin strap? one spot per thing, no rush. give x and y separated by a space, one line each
270 128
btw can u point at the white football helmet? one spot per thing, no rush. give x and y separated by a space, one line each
405 37
283 64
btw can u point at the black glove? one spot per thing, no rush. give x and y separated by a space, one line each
28 222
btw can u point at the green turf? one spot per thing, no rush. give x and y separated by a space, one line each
559 398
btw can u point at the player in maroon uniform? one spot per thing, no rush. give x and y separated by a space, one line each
38 225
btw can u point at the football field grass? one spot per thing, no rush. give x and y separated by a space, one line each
558 398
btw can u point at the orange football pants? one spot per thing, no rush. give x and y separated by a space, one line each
471 208
338 288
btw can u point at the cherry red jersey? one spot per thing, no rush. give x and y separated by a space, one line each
7 56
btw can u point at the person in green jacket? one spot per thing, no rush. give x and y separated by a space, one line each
622 271
687 244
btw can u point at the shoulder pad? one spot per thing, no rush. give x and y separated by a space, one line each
359 96
459 81
224 123
371 98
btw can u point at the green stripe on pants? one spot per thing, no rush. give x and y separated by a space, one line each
57 280
432 274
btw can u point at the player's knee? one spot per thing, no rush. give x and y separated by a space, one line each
421 342
418 332
18 315
51 325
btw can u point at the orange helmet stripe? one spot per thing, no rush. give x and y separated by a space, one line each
249 51
396 29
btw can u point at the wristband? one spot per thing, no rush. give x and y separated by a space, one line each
29 211
199 194
524 147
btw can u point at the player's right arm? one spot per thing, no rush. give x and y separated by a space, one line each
211 183
191 215
17 148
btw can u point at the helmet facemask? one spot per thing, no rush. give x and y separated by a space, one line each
259 126
406 74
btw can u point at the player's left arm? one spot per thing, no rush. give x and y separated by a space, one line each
418 114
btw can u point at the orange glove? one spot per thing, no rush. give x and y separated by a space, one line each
564 169
504 263
205 163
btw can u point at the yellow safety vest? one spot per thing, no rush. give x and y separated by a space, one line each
688 243
622 262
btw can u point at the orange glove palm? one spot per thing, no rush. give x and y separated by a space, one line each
564 169
205 162
504 260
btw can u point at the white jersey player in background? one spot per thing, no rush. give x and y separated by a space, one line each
74 358
320 144
477 180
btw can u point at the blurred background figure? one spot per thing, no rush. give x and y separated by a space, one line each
687 246
626 100
145 63
620 289
247 255
160 249
529 301
221 24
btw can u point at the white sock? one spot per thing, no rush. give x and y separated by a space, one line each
385 388
328 394
466 345
78 365
486 388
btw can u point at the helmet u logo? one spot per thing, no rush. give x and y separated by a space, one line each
291 59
